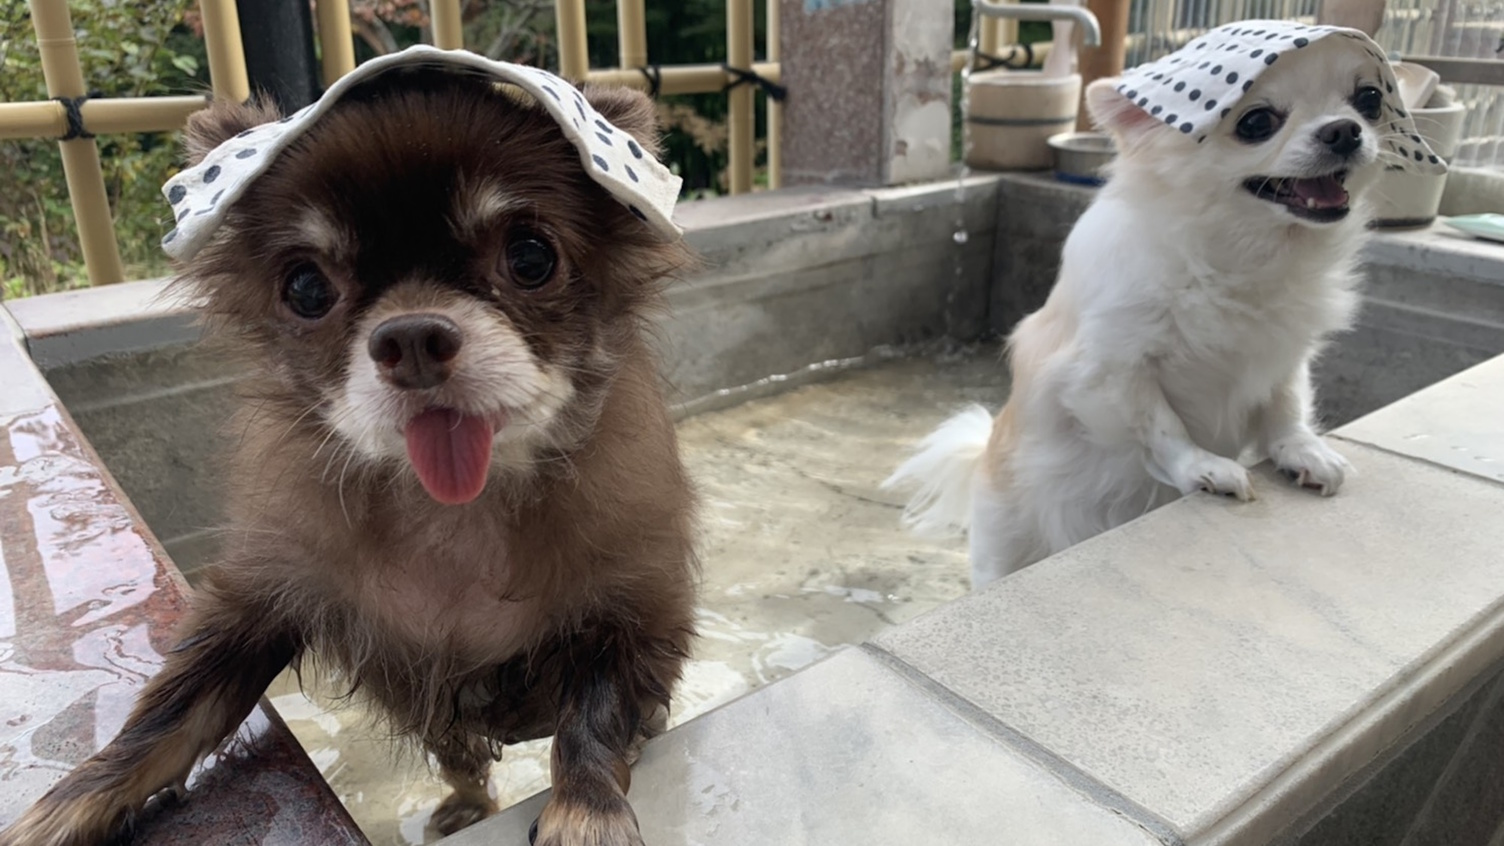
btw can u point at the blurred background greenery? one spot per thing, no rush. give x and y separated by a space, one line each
138 48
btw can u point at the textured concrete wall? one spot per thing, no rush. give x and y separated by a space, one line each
1433 305
791 279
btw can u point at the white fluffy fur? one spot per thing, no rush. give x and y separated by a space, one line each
1178 338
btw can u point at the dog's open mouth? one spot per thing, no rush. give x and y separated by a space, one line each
1318 198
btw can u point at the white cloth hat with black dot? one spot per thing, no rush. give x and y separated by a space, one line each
1197 86
201 195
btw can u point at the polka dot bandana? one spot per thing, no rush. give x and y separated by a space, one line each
1197 86
201 195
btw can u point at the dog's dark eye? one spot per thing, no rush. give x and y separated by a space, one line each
1368 101
530 261
1259 125
308 293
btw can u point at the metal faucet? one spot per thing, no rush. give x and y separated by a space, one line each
1091 35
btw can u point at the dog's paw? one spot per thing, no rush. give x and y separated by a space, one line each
564 823
1310 463
1217 475
461 810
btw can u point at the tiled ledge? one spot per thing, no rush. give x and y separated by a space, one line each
88 603
1214 673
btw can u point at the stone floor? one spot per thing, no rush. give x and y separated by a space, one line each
802 554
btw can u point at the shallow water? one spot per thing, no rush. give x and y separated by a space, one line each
802 554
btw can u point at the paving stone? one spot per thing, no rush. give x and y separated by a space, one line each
847 752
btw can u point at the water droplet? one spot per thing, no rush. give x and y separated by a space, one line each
960 236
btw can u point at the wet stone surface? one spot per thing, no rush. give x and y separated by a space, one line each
87 609
802 554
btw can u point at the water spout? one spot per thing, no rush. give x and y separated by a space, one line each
1091 31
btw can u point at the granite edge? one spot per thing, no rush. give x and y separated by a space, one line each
1393 716
1083 783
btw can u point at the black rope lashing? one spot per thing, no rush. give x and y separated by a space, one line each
987 61
750 77
654 75
73 109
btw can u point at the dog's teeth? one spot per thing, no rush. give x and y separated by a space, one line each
1310 202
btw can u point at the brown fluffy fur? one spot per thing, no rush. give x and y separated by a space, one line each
558 603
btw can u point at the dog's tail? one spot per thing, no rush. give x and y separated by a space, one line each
944 465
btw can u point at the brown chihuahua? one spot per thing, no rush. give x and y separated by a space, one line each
458 484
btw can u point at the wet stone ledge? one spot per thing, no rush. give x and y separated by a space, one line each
88 603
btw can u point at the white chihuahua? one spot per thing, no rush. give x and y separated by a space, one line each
1193 295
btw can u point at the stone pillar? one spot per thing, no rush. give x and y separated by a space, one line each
869 86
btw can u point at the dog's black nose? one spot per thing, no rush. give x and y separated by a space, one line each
1341 136
413 351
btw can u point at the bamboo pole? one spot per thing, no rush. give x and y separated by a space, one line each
140 114
774 51
33 120
1107 59
91 205
100 117
226 53
681 79
336 43
631 34
447 32
990 37
574 54
740 102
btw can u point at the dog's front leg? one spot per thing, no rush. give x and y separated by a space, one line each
1285 434
465 765
1117 400
609 690
1188 466
207 686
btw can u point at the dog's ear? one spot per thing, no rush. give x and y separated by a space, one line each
629 110
208 128
1118 115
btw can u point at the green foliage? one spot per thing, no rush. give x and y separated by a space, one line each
681 32
128 49
138 48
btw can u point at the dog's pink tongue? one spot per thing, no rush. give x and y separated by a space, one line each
1323 192
451 452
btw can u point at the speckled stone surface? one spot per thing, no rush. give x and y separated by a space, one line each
833 60
1426 792
1228 664
1457 423
870 87
846 752
87 607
